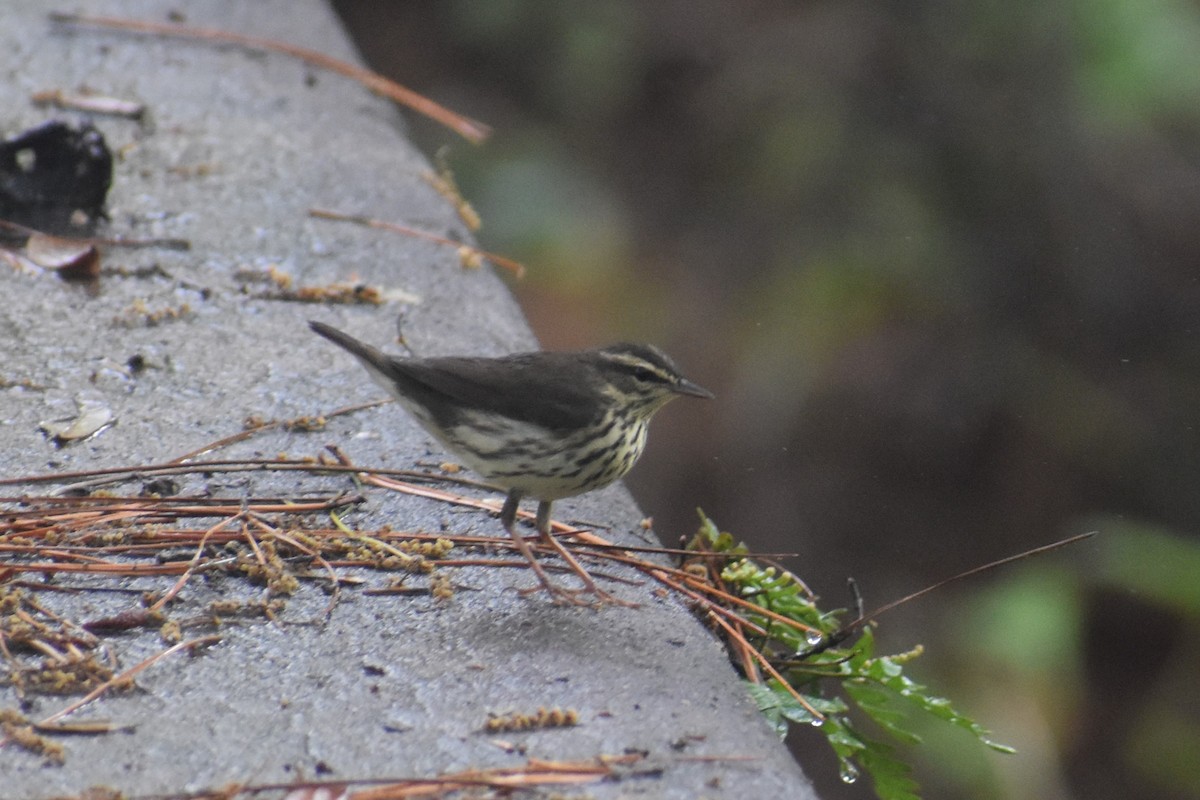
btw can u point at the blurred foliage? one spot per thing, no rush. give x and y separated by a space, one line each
820 650
938 260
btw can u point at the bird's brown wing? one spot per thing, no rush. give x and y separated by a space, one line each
545 389
447 387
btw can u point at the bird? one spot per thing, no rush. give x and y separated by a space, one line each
542 425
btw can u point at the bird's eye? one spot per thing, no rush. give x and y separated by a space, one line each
645 375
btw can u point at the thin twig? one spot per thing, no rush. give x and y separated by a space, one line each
202 641
266 426
471 130
843 632
195 562
336 592
515 267
766 665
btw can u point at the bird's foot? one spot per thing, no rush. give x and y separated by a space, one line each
590 596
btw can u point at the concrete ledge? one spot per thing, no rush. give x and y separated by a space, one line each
235 150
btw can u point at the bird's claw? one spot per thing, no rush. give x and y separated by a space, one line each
590 596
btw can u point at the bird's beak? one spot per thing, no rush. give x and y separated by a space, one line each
687 387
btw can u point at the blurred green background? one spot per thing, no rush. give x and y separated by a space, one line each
941 263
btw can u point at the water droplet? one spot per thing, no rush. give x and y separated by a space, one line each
813 638
849 772
816 722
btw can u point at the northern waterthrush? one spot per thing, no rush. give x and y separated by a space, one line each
543 425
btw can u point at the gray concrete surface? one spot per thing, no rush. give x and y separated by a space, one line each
235 149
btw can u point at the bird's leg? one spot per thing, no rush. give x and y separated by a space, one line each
508 518
589 586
